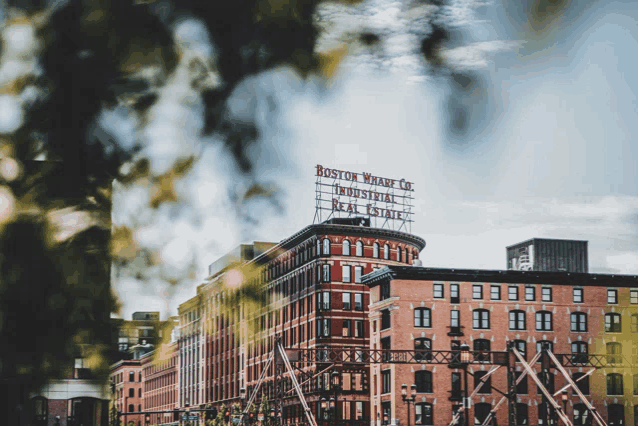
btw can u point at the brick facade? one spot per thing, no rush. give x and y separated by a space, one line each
568 310
127 376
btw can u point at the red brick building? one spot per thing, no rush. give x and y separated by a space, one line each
127 378
430 309
312 281
159 383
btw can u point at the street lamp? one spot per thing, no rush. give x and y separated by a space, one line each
411 399
564 397
324 406
147 418
336 387
465 360
242 397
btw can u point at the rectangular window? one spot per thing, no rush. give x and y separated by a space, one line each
347 328
578 295
455 319
495 292
517 320
477 292
612 297
358 272
358 301
582 382
345 270
345 297
486 387
454 293
422 317
386 385
530 294
326 273
385 319
521 387
438 291
543 321
633 296
456 387
358 328
385 291
323 300
546 294
512 293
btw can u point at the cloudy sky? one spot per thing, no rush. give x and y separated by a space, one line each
549 151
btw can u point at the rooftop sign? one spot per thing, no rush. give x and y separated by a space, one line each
342 193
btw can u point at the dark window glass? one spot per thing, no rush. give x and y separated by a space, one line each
517 320
481 319
614 353
582 382
544 321
423 349
612 297
423 381
578 321
613 323
616 415
385 381
521 387
481 411
522 416
614 384
579 350
485 387
422 317
424 414
385 319
482 350
521 346
582 416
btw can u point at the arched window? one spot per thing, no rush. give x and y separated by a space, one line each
423 414
481 319
522 416
579 352
616 414
326 247
521 347
613 323
89 411
614 353
422 317
582 415
544 321
481 411
579 321
544 344
481 348
423 349
359 249
40 410
345 248
318 248
423 381
375 250
386 252
517 320
398 254
614 384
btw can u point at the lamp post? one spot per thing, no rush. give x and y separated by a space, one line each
336 387
411 399
564 398
324 406
242 397
465 360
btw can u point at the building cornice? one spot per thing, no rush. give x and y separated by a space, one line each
497 276
344 230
